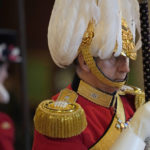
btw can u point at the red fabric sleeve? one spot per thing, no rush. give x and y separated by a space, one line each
44 143
6 132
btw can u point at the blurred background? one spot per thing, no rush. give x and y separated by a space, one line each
37 77
34 79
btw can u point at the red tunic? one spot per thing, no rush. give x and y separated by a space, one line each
99 119
6 132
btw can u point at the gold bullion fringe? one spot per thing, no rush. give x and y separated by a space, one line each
57 124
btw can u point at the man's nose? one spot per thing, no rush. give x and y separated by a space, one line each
124 65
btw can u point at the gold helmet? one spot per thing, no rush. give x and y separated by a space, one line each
97 28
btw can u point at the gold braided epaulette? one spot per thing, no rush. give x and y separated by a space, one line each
62 118
137 92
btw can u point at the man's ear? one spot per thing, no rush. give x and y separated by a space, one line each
82 63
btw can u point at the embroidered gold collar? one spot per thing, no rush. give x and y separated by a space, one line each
96 96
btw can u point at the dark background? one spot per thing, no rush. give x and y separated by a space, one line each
41 73
44 79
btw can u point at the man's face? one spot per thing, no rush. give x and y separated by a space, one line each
115 68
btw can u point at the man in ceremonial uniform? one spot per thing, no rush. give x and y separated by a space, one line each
94 111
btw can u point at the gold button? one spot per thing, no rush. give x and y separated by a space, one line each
5 125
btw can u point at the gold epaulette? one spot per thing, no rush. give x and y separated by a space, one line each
137 92
62 118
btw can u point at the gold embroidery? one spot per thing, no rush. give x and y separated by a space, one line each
139 94
67 96
128 44
94 95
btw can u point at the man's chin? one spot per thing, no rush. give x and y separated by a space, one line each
121 79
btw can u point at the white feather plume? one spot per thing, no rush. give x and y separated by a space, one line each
67 27
69 21
106 30
109 29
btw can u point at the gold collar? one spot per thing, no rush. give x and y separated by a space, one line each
95 96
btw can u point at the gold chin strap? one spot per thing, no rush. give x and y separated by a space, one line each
88 58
